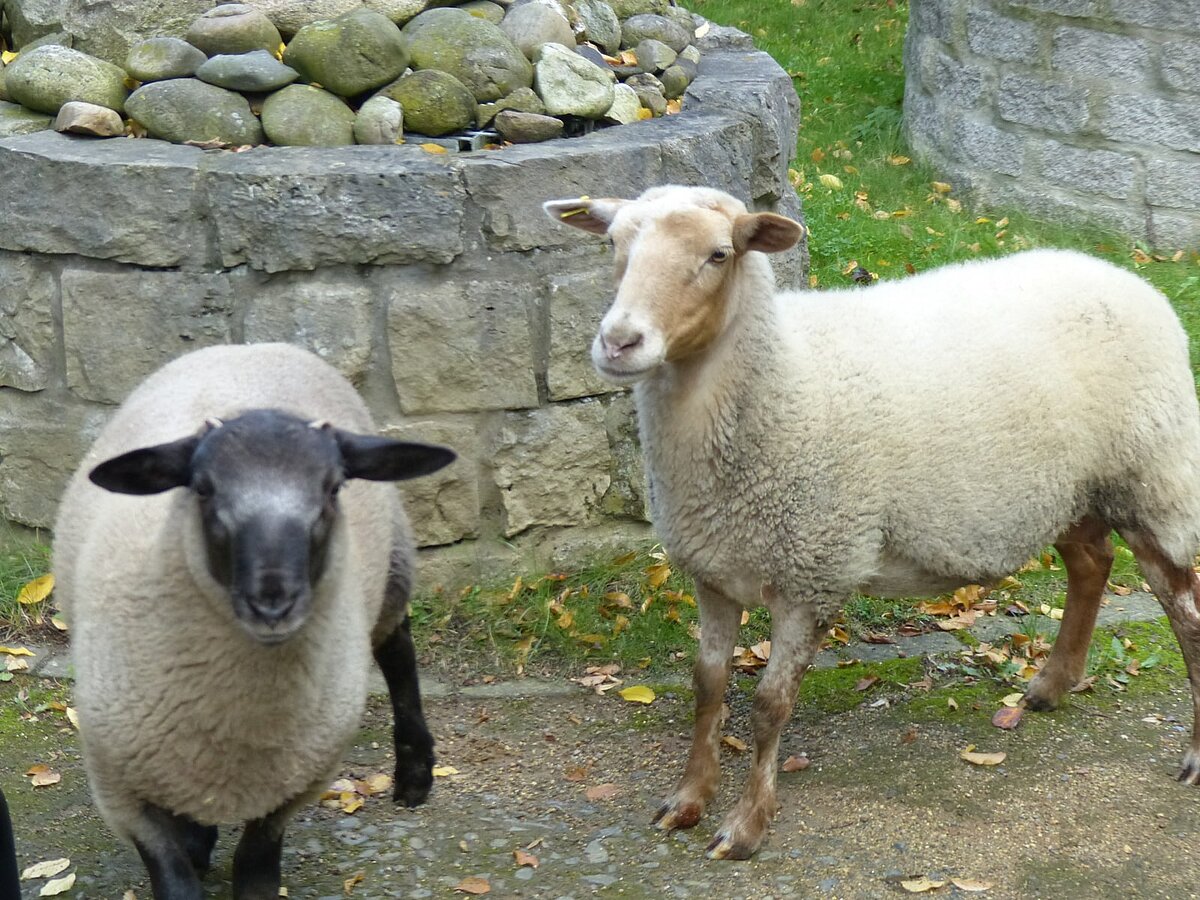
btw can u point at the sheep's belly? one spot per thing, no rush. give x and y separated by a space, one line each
897 577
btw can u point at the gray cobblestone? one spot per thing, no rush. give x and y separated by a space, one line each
1001 37
28 338
1095 171
943 76
1031 101
1173 183
1152 120
1173 228
1088 52
1165 14
933 17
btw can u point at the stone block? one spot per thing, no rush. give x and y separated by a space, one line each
988 146
304 207
933 17
28 337
1001 37
950 80
459 346
552 465
629 494
1053 204
926 125
1164 14
1094 171
442 507
1153 120
1181 65
614 162
1053 106
41 443
131 201
1074 8
1172 229
1173 182
332 312
692 149
577 304
1085 51
119 325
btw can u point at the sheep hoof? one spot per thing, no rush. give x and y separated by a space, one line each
675 814
1035 701
726 846
414 779
1190 774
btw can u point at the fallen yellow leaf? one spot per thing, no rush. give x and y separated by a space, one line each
57 886
602 791
16 651
36 591
525 859
952 703
433 148
15 664
7 56
349 883
921 885
982 759
830 181
444 771
47 869
1012 699
639 693
969 884
940 187
42 775
898 160
736 743
353 806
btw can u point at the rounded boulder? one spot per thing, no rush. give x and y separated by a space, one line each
233 28
258 71
600 25
45 78
434 102
354 53
379 121
570 85
160 58
186 109
533 24
305 116
473 50
659 28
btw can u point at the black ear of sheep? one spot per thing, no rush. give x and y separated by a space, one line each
383 459
148 470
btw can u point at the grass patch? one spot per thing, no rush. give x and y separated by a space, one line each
837 690
23 557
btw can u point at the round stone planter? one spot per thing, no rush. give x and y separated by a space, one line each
433 281
1079 110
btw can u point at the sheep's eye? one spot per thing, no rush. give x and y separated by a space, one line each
720 256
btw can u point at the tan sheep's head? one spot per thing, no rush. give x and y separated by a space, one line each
678 254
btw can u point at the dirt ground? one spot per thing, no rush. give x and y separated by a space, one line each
1084 805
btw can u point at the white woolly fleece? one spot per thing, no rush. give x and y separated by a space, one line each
177 704
924 433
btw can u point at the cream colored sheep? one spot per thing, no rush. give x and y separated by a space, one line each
897 440
226 594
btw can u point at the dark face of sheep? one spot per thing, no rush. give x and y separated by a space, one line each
677 252
266 486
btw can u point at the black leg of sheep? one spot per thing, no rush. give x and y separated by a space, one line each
258 860
397 659
9 883
178 855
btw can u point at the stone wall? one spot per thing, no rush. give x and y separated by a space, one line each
1080 110
434 282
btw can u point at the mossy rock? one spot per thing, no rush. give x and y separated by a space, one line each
15 119
305 116
354 53
160 58
258 71
233 28
473 50
434 102
626 8
45 78
186 109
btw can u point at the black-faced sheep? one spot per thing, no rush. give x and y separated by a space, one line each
899 440
229 561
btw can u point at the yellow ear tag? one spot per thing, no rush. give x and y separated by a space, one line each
574 212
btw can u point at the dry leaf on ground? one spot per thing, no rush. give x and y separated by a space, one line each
796 763
982 759
473 885
349 883
444 771
921 885
602 791
971 885
36 591
525 859
1007 717
47 869
42 775
639 693
736 743
57 886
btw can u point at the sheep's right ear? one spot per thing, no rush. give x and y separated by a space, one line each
148 470
584 213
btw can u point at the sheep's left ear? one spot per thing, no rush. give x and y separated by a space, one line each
765 232
148 470
584 213
382 459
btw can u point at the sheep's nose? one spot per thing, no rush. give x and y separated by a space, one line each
619 339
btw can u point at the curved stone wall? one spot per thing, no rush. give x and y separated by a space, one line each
1083 110
434 282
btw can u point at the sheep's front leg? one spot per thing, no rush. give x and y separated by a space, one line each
397 659
795 638
258 860
173 849
720 618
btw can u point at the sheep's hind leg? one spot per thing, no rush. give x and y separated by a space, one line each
1087 553
258 860
796 636
720 618
397 659
174 850
1178 590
